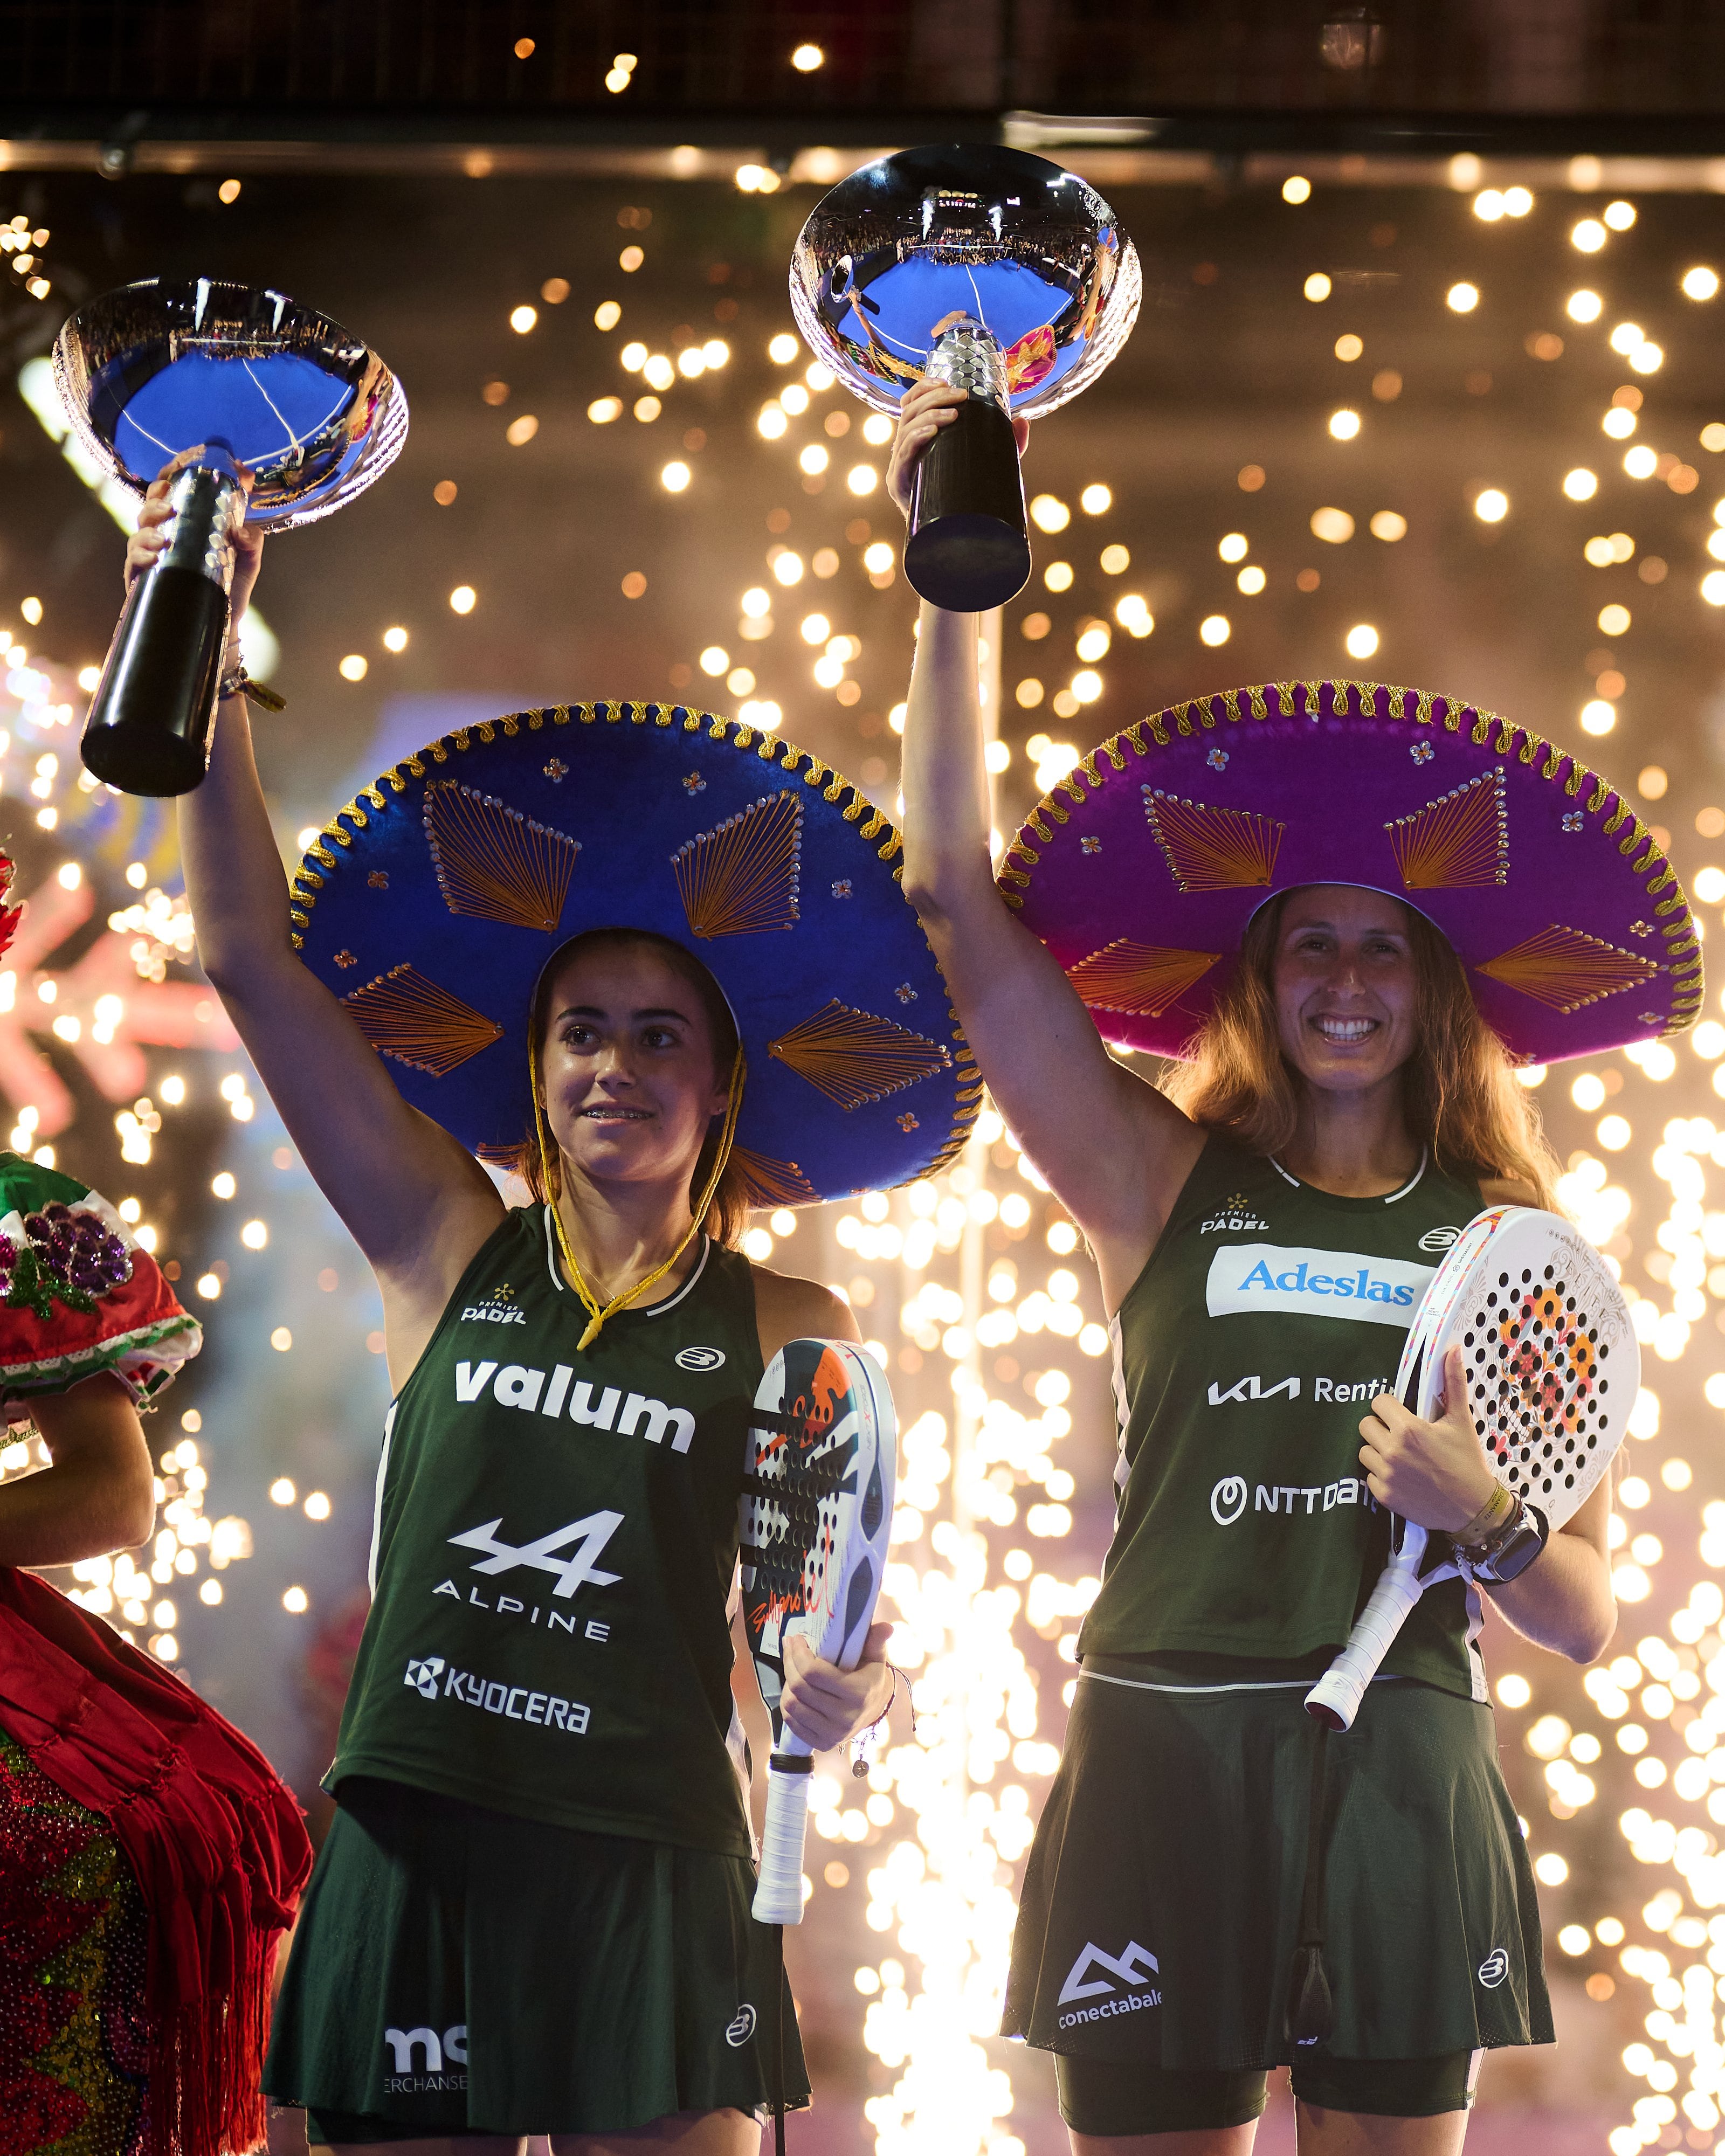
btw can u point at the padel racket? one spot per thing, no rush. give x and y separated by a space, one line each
1553 1370
816 1518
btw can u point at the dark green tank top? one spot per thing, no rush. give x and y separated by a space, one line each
1245 1355
554 1551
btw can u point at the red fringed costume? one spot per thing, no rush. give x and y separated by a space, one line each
214 1839
149 1858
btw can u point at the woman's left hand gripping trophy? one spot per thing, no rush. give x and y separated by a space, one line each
272 415
147 544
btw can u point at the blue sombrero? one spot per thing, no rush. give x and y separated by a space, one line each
430 905
1142 869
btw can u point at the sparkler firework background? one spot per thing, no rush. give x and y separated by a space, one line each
1467 436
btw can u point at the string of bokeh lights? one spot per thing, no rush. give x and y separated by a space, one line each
78 1007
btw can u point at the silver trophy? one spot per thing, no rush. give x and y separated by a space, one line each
988 269
246 378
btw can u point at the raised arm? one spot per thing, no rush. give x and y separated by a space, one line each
98 1494
1114 1149
414 1201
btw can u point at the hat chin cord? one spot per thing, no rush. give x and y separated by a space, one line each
597 1312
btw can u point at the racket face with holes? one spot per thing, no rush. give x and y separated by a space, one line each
1552 1359
816 1513
1439 1300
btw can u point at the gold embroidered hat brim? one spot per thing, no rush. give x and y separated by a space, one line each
1142 869
431 904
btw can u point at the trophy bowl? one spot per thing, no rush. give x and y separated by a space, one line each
986 267
246 378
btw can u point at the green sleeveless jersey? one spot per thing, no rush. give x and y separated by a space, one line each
554 1552
1245 1352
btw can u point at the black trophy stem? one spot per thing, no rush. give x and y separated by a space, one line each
149 723
969 550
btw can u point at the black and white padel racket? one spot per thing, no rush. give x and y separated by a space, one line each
816 1518
1553 1370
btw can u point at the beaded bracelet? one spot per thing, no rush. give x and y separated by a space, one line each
866 1741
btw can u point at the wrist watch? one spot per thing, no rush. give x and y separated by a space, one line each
1505 1554
237 682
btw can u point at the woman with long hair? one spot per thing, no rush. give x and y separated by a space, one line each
531 1914
1460 1093
1335 903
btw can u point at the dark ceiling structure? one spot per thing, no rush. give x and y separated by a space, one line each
1364 425
1412 76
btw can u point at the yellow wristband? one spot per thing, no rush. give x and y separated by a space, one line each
1491 1516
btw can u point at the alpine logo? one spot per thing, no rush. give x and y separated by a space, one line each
1438 1239
576 1569
700 1358
1254 1389
1311 1283
1123 1985
739 2027
1493 1969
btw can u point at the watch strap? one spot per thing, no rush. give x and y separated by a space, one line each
239 683
1477 1548
1511 1550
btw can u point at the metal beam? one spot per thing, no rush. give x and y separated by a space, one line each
1120 152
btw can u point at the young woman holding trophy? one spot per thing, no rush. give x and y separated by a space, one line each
531 1915
1265 1220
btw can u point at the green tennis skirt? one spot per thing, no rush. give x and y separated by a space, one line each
1161 1906
458 1970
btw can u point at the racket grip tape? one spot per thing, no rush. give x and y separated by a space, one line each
1335 1697
779 1888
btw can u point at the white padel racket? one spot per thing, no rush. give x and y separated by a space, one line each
816 1518
1553 1370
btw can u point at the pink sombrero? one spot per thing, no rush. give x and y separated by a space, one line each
1142 869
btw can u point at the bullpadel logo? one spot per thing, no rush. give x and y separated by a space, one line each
1309 1283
